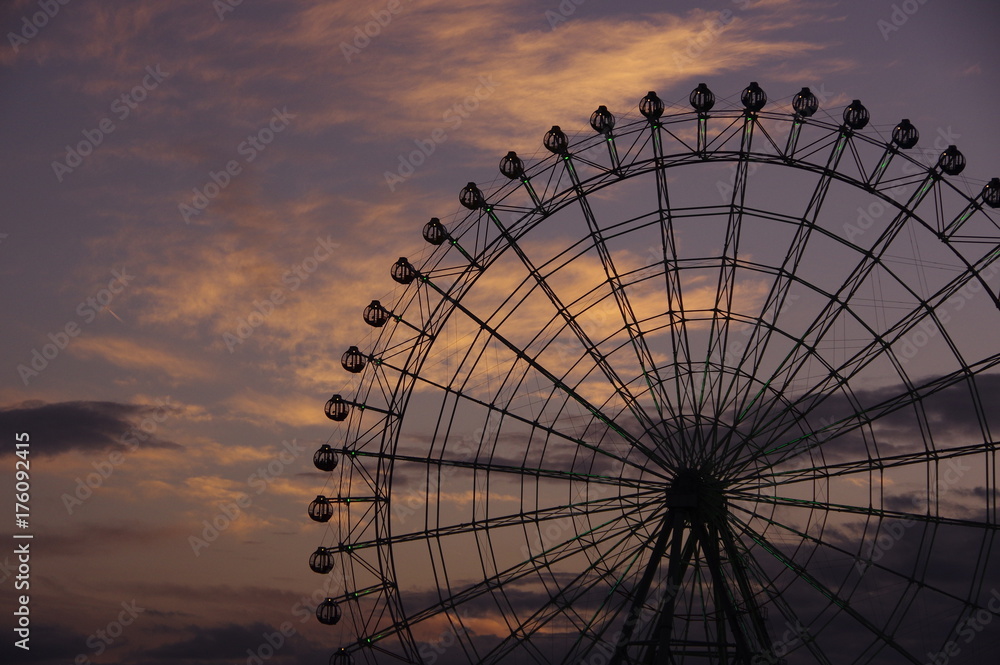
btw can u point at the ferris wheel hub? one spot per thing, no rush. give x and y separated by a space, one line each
698 493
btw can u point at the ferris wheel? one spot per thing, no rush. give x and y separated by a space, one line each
714 384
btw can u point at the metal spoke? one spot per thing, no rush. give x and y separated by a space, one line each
680 342
773 478
544 559
575 509
718 339
493 467
559 383
868 511
829 594
777 297
764 581
644 356
840 550
861 417
507 413
880 343
569 593
601 361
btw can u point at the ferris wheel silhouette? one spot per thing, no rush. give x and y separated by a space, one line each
681 390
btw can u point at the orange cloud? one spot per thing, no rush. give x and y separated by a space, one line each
138 355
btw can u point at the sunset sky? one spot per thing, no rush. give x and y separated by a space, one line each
201 196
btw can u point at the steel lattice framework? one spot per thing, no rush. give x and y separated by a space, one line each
610 419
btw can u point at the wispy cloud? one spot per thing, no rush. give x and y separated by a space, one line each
131 354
